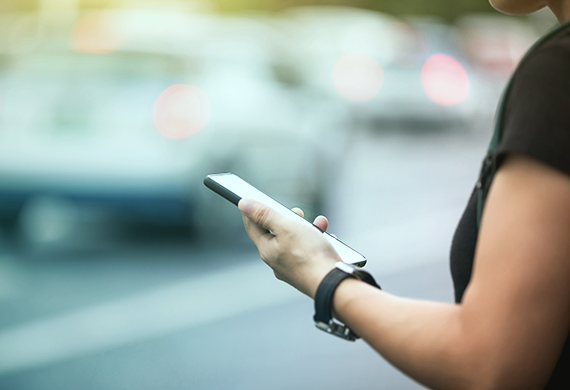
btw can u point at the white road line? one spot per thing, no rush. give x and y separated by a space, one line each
208 298
141 317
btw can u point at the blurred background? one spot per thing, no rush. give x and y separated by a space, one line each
120 270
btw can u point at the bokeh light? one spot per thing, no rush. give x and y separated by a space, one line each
357 77
97 32
444 80
180 111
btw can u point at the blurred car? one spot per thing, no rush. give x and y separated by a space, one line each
400 70
77 126
495 43
438 37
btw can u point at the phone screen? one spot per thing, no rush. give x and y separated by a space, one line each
234 188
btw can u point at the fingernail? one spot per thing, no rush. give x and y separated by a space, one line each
245 206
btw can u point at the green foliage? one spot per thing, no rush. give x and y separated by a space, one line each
448 9
18 5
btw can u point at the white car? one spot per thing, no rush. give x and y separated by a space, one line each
77 126
385 69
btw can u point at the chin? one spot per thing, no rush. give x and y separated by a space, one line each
517 7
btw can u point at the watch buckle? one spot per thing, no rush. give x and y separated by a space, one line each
338 329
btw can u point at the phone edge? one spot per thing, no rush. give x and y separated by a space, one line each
232 197
221 190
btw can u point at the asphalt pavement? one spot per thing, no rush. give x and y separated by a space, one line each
162 313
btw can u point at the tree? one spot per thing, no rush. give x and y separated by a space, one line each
448 9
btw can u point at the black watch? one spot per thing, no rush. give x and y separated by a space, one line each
323 299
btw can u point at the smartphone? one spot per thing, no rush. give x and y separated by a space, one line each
234 188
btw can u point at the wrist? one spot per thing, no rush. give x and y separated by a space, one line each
319 269
317 277
325 293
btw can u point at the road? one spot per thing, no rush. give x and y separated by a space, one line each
180 314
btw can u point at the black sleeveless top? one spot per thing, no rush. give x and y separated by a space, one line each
536 124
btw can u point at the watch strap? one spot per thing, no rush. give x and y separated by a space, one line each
323 299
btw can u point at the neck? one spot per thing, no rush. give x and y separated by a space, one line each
560 8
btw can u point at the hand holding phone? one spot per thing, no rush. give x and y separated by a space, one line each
233 188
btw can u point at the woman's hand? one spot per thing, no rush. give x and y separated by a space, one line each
297 252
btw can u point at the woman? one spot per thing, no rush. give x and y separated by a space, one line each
510 324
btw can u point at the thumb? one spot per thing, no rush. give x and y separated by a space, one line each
263 216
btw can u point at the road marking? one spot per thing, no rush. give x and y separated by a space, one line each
151 314
209 298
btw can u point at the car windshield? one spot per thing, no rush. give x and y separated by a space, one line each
71 93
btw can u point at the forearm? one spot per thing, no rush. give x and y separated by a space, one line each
514 318
426 340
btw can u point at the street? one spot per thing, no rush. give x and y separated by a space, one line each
168 313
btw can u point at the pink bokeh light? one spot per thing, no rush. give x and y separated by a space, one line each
180 111
444 80
357 77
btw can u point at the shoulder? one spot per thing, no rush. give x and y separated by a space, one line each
544 71
555 48
546 63
537 118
